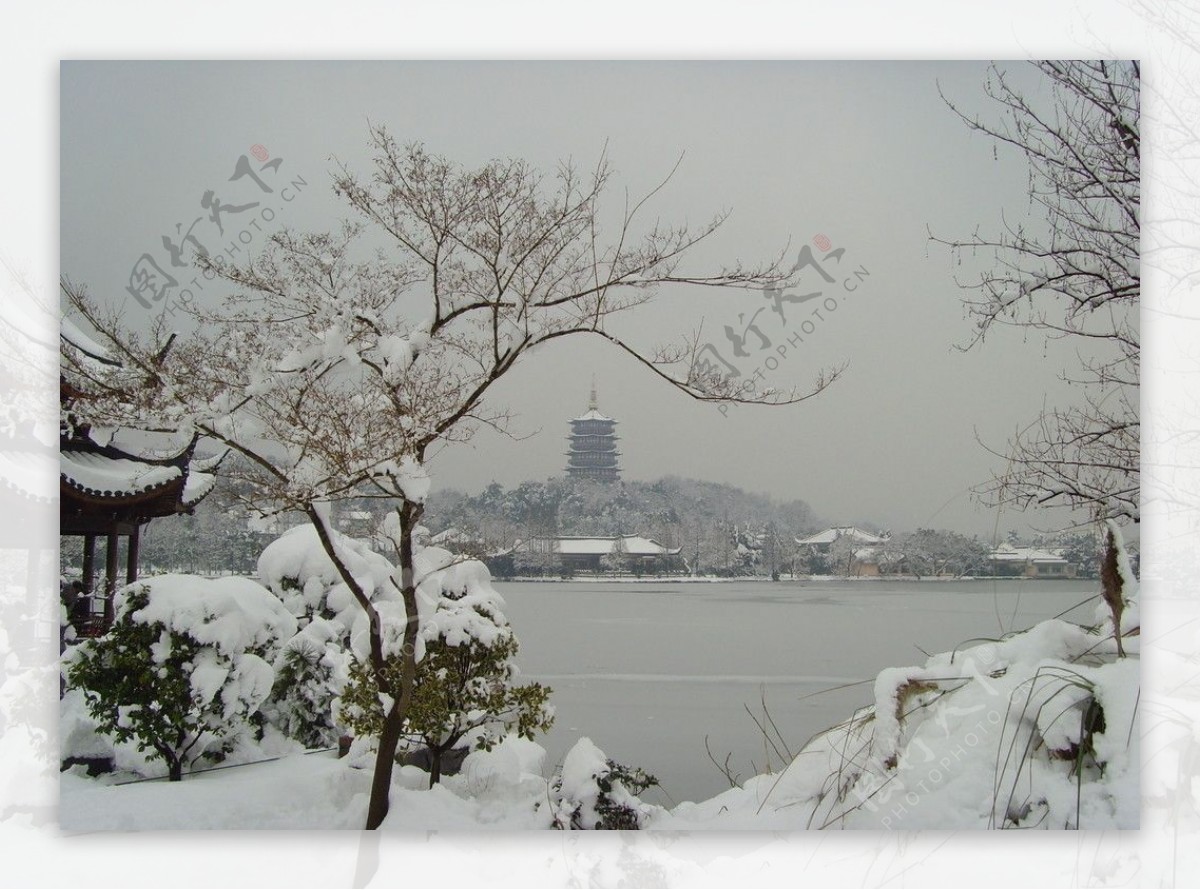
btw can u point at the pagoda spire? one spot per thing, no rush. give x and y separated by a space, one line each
593 405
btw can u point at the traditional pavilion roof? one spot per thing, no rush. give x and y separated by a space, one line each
129 475
71 333
583 449
1011 554
123 475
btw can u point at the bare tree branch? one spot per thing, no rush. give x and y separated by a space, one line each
1071 272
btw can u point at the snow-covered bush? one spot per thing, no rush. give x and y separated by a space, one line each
311 668
79 738
593 792
183 667
465 690
296 568
310 671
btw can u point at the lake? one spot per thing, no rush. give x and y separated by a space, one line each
648 670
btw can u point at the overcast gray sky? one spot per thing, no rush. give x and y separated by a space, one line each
866 154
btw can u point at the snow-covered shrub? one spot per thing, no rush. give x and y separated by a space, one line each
311 668
184 666
593 792
79 737
509 764
465 689
310 671
296 568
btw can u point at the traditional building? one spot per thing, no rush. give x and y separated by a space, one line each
848 550
618 554
114 481
1030 562
823 541
111 490
592 445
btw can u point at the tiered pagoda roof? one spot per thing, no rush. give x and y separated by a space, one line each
592 445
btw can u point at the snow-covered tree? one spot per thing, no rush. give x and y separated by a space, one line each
1075 274
841 554
184 666
337 367
617 560
927 552
466 688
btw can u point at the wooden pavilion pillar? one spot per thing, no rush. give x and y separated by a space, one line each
131 557
110 576
89 564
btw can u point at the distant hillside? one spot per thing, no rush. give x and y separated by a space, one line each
722 524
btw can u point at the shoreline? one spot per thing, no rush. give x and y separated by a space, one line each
823 579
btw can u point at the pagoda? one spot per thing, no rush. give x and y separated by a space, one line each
593 445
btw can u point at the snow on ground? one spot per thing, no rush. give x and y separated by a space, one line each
301 791
499 789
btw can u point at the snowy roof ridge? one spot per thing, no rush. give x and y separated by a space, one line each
151 446
99 474
197 487
831 534
209 464
126 462
1009 553
592 414
70 332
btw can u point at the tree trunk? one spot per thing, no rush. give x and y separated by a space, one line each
393 721
174 769
435 765
385 761
389 739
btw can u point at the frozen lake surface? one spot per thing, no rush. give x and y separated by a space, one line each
648 670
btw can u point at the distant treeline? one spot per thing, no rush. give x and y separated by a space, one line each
720 529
